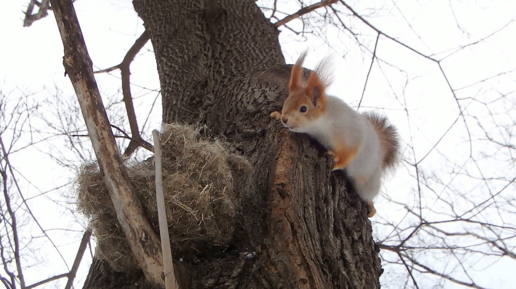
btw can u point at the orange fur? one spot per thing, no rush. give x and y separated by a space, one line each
296 75
315 90
298 98
372 210
342 155
340 129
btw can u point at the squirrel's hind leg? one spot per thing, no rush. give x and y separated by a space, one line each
367 188
372 210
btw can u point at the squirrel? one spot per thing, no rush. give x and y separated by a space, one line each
364 144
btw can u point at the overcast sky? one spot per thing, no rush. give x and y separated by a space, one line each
408 88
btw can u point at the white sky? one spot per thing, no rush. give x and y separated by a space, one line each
405 83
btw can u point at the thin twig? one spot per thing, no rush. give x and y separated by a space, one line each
47 280
109 69
42 12
303 11
14 231
5 261
383 33
445 276
274 9
408 270
6 283
370 68
121 131
168 266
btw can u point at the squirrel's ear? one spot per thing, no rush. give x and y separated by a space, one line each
296 76
315 90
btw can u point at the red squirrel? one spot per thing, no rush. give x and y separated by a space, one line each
363 144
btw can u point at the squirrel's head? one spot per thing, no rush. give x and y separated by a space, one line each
306 101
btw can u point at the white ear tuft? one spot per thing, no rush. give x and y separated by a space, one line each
324 70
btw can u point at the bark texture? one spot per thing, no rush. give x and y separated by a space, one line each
300 225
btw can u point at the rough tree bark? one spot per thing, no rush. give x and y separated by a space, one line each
301 225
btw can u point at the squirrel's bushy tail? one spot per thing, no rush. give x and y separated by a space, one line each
388 138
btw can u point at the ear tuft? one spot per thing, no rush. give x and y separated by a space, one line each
296 76
324 69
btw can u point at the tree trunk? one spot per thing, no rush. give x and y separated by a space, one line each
300 225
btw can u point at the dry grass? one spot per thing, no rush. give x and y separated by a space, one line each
198 181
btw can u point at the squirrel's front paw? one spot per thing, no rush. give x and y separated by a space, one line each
335 161
276 115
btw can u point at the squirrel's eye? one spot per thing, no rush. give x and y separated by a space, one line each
302 109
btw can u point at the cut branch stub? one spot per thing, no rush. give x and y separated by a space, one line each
168 266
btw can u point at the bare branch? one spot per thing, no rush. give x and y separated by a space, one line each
124 66
383 33
54 278
109 69
128 209
303 11
369 71
42 12
274 9
5 156
82 248
409 270
445 276
6 283
14 226
5 259
136 139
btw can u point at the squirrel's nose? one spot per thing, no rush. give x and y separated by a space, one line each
284 119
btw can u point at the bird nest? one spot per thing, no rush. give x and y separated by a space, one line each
198 185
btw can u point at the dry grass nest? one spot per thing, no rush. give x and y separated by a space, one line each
198 183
